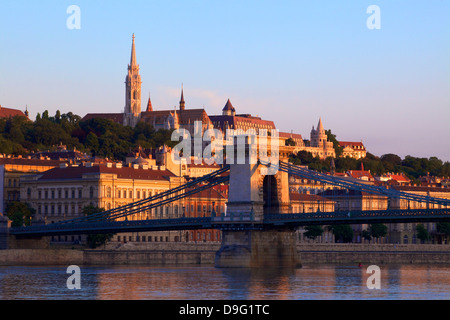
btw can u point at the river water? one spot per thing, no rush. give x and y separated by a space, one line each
209 283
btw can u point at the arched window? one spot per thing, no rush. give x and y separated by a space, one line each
405 239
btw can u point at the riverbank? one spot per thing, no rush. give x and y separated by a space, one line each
204 254
374 254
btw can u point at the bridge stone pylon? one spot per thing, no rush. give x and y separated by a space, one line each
254 192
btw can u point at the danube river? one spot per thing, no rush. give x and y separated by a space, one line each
209 283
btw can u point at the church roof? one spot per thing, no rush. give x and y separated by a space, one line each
116 117
7 112
185 116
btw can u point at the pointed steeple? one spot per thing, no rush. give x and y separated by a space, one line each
133 54
228 110
320 126
182 103
149 104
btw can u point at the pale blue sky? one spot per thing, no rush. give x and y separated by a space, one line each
288 61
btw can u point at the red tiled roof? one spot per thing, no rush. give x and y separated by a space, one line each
288 135
7 112
351 144
360 173
399 177
30 162
122 173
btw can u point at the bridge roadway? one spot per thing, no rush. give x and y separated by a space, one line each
238 222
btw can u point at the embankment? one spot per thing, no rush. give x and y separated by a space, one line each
195 254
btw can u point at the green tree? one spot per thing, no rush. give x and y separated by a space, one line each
96 240
366 235
20 213
378 230
422 233
92 143
332 138
342 233
290 142
313 232
443 228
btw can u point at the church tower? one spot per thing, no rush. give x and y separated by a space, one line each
133 83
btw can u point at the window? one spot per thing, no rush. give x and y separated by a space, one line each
80 193
118 193
138 194
59 193
108 192
73 194
66 194
28 193
130 194
91 192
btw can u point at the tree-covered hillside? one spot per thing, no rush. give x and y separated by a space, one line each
99 137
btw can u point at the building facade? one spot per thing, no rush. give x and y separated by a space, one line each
61 193
11 171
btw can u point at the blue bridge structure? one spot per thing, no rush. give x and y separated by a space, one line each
116 220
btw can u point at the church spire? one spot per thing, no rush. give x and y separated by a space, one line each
149 104
133 54
133 83
182 103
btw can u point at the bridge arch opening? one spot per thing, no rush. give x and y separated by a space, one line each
270 195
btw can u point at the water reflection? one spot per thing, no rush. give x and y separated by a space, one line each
209 283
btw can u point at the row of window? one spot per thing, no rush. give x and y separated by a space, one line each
65 193
193 236
60 209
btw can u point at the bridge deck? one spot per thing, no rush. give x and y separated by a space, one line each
240 222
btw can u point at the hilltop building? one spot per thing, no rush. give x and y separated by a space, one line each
11 113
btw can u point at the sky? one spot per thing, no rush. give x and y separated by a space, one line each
287 61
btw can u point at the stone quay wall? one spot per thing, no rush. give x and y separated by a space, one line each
205 253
